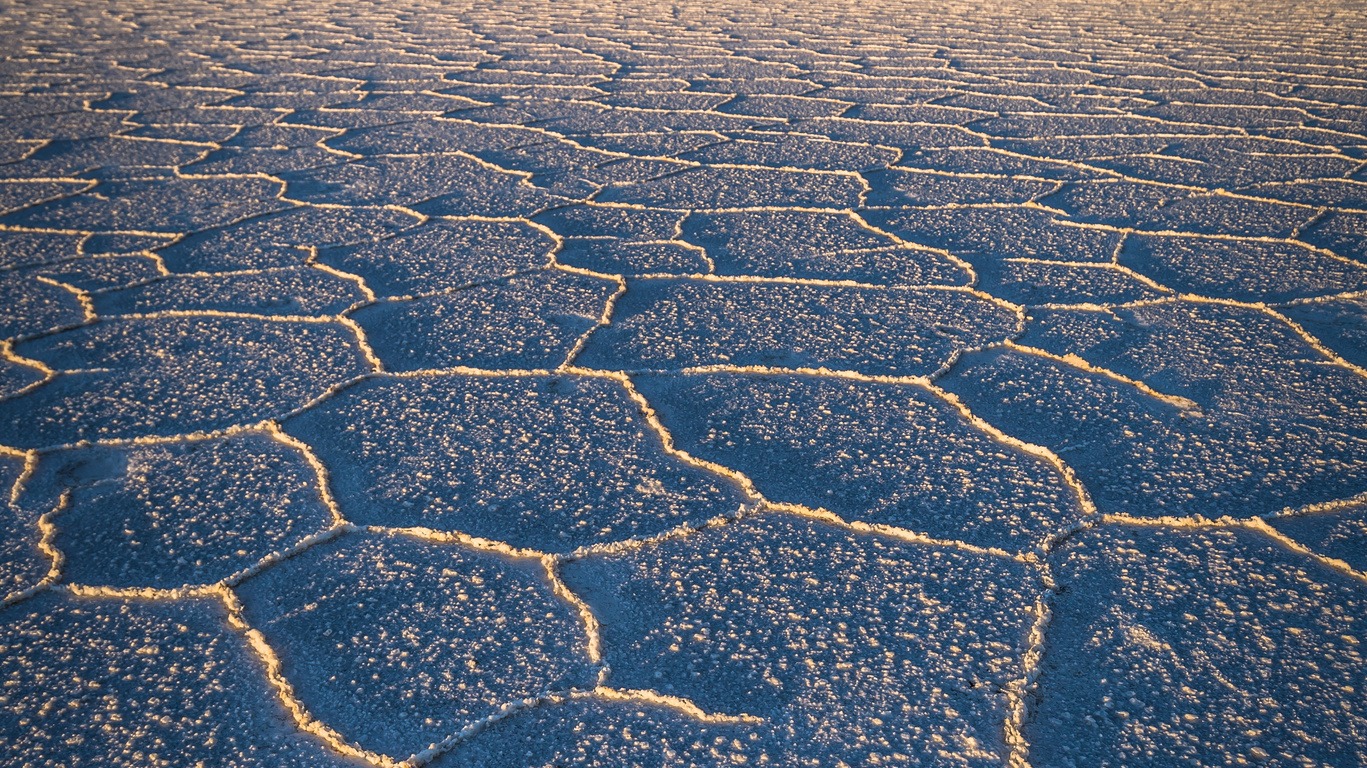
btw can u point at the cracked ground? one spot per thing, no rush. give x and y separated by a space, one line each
628 384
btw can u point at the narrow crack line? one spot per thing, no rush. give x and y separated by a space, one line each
958 353
47 536
143 440
1319 508
1079 363
87 233
604 320
24 338
361 285
823 515
82 297
477 283
1213 236
626 206
1266 309
963 264
761 370
593 637
652 418
509 709
168 594
635 543
677 704
322 478
332 391
476 543
1021 691
948 174
1335 564
1065 470
362 343
677 236
304 721
30 466
1312 340
10 211
1269 310
1112 266
337 528
1308 223
529 220
222 313
821 282
45 372
1256 524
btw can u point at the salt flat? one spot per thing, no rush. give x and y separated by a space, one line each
620 384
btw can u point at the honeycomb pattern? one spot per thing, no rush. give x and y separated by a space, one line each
634 384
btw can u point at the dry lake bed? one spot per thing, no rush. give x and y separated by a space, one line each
812 385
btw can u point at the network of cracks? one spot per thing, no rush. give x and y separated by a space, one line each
618 385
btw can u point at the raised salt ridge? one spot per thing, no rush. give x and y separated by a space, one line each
631 384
